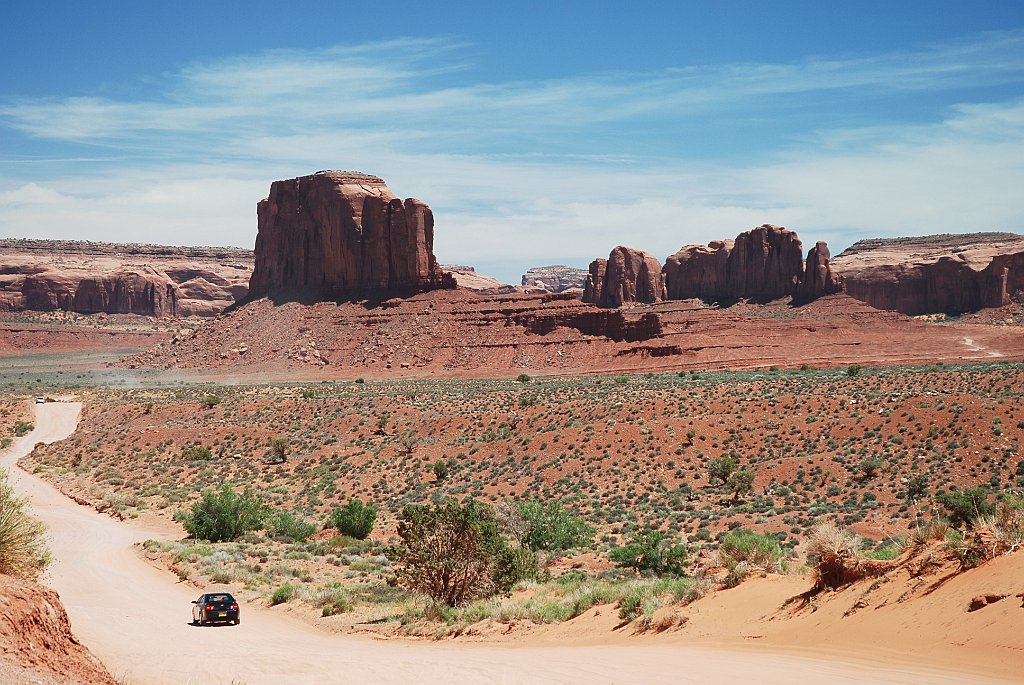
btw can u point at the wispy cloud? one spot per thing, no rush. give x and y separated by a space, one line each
519 170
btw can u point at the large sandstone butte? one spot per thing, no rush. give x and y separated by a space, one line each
761 265
628 275
949 274
343 235
150 280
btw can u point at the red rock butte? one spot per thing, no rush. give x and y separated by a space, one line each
343 235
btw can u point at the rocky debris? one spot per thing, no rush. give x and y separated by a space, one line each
628 275
950 274
761 265
343 234
556 278
818 278
35 635
150 280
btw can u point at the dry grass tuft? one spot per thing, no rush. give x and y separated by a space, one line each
23 551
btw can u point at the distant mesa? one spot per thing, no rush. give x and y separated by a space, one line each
950 273
760 265
148 280
343 235
556 278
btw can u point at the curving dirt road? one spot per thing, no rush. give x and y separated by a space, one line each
136 619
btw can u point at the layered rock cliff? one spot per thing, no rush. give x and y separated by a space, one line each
150 280
628 275
343 234
818 278
949 274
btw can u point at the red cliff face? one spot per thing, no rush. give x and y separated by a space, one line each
338 234
628 275
949 274
818 278
761 265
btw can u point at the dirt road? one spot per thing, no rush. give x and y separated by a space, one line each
136 619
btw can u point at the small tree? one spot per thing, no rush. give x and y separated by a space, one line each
455 553
211 401
279 450
550 527
868 467
223 515
651 552
917 488
354 519
741 482
720 469
964 506
853 370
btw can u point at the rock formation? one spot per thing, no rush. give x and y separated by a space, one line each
761 265
949 274
555 279
151 280
343 234
628 275
818 278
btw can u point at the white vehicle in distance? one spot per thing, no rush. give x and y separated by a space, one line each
40 400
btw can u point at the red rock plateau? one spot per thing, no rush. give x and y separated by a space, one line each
463 334
36 642
949 274
343 234
151 280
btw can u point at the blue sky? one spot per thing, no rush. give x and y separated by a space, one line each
539 132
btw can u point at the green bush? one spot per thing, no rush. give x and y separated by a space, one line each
283 594
964 506
23 551
720 469
550 527
196 453
22 428
523 378
224 515
744 546
853 370
651 552
354 519
289 525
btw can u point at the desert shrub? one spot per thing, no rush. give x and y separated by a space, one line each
550 527
746 547
283 594
523 378
196 453
279 450
964 506
291 526
22 428
355 519
1008 522
917 488
868 467
224 515
835 555
651 552
23 551
456 553
853 370
211 401
440 469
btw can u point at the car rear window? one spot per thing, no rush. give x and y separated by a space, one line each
220 598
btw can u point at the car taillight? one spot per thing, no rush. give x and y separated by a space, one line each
234 607
208 607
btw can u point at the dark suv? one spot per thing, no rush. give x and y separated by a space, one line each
215 607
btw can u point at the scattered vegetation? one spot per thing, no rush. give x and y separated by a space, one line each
23 550
223 515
